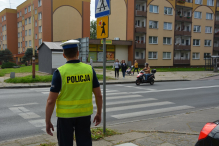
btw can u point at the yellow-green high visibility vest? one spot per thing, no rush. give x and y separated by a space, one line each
75 97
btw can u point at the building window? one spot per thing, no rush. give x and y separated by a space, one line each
166 55
23 49
195 55
21 33
25 21
40 28
23 27
36 47
25 11
18 24
167 41
207 55
18 34
198 15
152 40
153 24
25 32
167 26
23 38
154 9
36 36
5 37
39 3
152 55
17 15
197 28
4 18
20 13
209 16
29 20
29 31
208 29
168 11
29 8
208 43
39 16
29 43
196 42
25 43
210 2
35 11
19 45
35 23
40 42
199 2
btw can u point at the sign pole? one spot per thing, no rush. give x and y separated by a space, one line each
104 86
33 58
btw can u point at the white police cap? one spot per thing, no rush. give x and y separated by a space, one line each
70 44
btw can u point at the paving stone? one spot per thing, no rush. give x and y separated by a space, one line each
11 144
166 144
101 143
127 144
31 140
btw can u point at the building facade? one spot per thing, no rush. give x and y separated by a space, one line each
167 32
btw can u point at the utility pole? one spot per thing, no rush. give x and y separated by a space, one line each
33 58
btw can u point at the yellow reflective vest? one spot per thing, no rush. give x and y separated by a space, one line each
75 97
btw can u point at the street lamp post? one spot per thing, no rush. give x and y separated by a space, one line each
33 58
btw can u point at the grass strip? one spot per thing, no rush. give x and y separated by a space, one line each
29 79
97 133
48 144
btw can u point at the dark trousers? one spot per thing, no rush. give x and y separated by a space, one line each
66 128
123 73
116 72
135 69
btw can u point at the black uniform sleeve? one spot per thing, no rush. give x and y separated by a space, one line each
96 83
56 82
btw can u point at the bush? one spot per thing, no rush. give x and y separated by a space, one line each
8 65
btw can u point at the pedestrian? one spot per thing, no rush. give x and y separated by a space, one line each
136 66
91 61
116 65
124 68
71 91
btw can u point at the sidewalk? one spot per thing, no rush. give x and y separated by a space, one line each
159 77
177 130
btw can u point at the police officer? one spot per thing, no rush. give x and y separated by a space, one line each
71 91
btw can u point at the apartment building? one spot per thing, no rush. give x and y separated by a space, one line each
167 32
8 30
52 20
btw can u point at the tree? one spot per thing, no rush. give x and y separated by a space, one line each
6 56
93 29
28 55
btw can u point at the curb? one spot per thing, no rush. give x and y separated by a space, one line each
101 83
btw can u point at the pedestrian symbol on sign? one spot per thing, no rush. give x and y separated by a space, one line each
102 7
103 27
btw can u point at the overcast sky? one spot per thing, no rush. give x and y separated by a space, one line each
14 3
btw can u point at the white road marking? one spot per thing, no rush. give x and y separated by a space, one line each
45 92
40 89
138 106
178 89
29 115
119 85
128 101
23 109
122 97
38 123
150 112
129 86
15 110
26 104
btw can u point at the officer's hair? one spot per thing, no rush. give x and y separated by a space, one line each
71 52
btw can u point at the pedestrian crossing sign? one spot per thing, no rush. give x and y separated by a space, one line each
102 8
103 27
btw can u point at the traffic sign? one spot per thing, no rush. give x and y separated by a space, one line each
103 27
102 8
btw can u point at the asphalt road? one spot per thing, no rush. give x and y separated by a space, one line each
22 111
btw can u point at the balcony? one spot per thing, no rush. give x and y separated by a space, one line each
185 4
181 18
140 29
217 22
216 35
141 13
182 47
186 33
181 61
216 47
140 45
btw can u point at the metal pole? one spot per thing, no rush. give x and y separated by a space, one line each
33 58
104 86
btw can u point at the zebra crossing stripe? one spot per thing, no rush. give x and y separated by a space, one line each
121 97
29 115
150 112
38 123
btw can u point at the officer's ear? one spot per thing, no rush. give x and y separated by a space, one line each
64 55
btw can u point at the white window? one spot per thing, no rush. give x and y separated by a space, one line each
152 55
36 36
210 2
19 45
29 31
29 43
18 24
208 43
195 55
23 49
196 42
39 16
25 21
209 16
167 40
39 3
199 2
168 11
40 42
25 11
36 24
17 15
25 32
4 17
29 19
198 15
35 11
208 29
29 8
40 28
20 13
5 37
167 26
166 55
197 28
25 43
207 55
153 24
154 9
23 38
153 40
18 34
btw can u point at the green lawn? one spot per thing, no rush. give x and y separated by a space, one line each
25 69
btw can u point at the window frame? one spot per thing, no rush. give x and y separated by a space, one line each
196 28
153 40
152 24
153 9
209 14
167 41
167 25
206 29
200 15
207 43
167 55
195 42
167 10
152 55
195 56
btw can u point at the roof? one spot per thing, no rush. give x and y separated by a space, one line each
52 45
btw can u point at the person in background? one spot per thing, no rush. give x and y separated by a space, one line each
136 66
91 61
116 65
147 70
124 68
